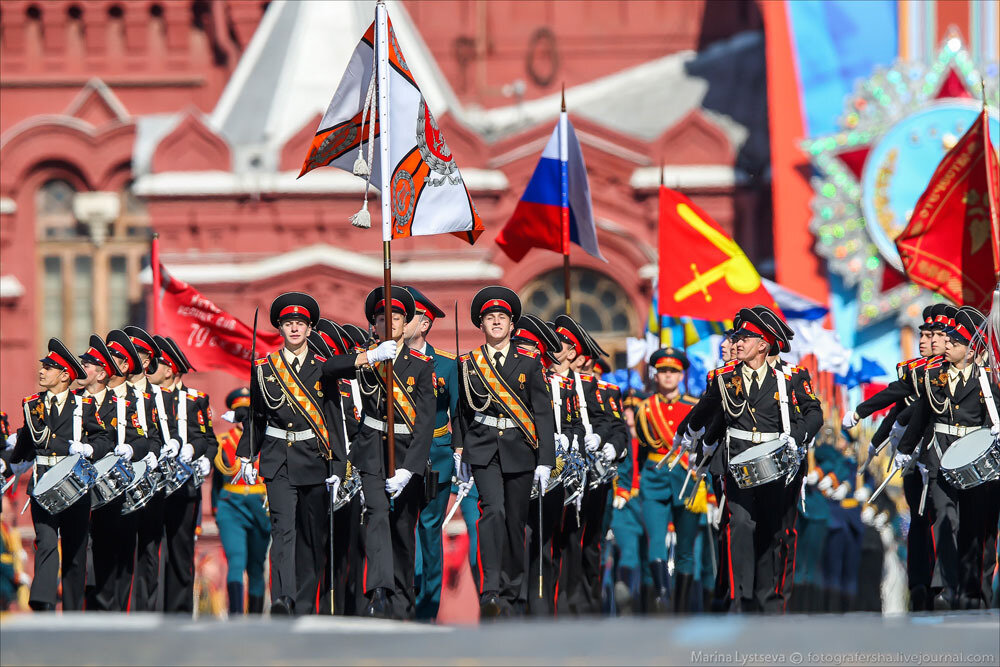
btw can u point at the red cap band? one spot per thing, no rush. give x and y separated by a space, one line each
141 343
749 326
241 402
425 311
59 361
105 363
963 332
496 303
527 335
569 334
165 358
329 341
294 310
120 349
396 303
669 362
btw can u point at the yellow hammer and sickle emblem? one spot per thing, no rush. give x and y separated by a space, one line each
738 272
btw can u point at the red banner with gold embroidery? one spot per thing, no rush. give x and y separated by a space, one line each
952 242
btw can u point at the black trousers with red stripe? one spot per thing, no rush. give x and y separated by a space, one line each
552 523
754 532
979 508
504 501
788 539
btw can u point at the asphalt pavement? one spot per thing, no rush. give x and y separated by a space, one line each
853 639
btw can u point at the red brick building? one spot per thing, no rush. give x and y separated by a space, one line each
192 119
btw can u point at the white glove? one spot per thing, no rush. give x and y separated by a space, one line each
902 460
618 502
793 449
187 453
714 515
693 459
3 466
464 473
850 420
247 471
204 467
994 430
881 520
562 442
542 474
170 448
825 484
125 451
456 459
868 515
150 461
229 416
395 484
679 437
592 441
383 352
465 487
896 433
11 441
862 494
708 450
812 478
608 451
841 492
81 448
332 484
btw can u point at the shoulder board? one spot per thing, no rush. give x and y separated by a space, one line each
607 385
788 376
28 399
528 353
260 362
566 382
346 393
463 358
727 367
444 353
586 378
146 395
319 358
710 376
689 399
192 396
420 355
916 363
86 399
934 364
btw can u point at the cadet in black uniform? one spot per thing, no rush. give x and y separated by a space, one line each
295 428
58 423
505 432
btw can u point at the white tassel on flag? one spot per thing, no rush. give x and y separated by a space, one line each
362 167
362 218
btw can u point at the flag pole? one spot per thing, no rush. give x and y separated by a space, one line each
382 50
154 260
564 190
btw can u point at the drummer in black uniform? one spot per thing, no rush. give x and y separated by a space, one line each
57 424
506 431
755 402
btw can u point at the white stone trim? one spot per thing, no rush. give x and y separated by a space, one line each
689 176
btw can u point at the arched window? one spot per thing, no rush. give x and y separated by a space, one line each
599 304
54 208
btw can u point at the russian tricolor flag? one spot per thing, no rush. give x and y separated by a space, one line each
555 208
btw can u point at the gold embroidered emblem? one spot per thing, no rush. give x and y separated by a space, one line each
736 384
271 378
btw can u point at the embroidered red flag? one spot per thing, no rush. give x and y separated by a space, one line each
952 242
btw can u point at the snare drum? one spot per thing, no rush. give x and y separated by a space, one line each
761 464
64 483
175 474
972 460
141 490
114 474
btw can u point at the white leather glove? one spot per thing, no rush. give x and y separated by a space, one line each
994 430
881 520
708 450
125 451
793 449
868 515
170 448
825 484
693 459
862 494
618 502
204 467
608 451
81 448
841 492
464 473
11 441
187 453
3 466
465 487
714 515
850 420
902 460
542 474
247 471
383 352
592 441
395 484
150 461
332 484
896 433
562 442
812 478
229 416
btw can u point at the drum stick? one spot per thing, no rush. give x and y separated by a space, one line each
884 484
26 503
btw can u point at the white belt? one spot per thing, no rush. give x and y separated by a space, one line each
755 437
48 460
290 436
960 431
495 422
397 427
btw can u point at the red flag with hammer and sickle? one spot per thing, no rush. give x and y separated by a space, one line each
704 274
951 244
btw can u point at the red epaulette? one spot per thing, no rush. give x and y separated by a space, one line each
420 355
914 364
586 378
937 363
260 362
566 382
727 367
463 358
528 353
146 395
192 396
607 385
28 399
86 399
346 393
320 359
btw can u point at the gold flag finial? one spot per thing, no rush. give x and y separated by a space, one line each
564 96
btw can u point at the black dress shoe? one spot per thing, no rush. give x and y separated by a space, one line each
283 606
378 606
41 606
490 606
944 601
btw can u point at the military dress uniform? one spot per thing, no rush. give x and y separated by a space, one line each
294 429
390 528
241 515
53 425
749 402
506 431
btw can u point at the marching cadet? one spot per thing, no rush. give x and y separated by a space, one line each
241 513
390 528
532 334
438 483
191 417
627 523
957 398
506 435
294 427
749 394
58 424
113 534
658 419
900 394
